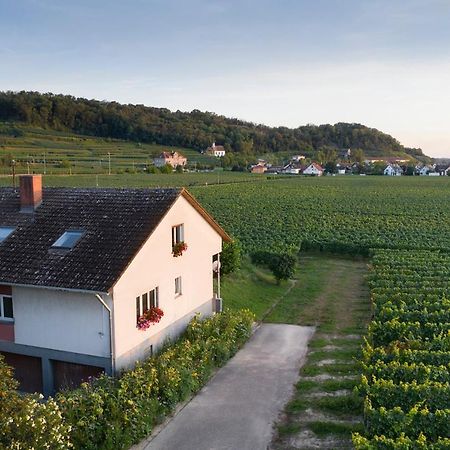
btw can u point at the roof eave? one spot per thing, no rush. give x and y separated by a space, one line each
55 288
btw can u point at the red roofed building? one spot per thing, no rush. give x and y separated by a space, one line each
259 168
314 169
216 150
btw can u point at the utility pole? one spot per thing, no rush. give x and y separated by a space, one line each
13 165
45 166
109 163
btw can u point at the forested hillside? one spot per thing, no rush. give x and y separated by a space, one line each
193 129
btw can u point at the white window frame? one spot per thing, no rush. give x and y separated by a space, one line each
178 286
2 309
59 243
147 296
177 234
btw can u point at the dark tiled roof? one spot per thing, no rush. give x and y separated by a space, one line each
116 221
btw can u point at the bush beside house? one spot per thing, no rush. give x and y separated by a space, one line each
114 413
26 421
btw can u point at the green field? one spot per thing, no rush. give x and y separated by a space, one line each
348 214
140 180
53 152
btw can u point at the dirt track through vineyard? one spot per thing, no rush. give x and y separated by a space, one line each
324 411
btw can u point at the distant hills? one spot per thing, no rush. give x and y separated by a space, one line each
195 129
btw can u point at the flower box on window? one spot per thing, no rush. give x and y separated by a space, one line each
179 248
150 317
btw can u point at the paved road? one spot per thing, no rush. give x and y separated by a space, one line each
238 407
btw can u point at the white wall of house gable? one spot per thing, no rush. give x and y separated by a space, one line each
154 266
60 320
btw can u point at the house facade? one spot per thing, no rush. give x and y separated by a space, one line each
81 268
173 159
425 170
216 150
393 170
258 168
314 169
442 169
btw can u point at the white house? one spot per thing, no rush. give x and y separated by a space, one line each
393 170
81 268
314 169
425 170
216 150
343 169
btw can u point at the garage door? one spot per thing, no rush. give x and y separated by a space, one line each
27 371
69 375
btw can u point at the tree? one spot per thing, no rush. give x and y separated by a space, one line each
283 266
358 156
330 167
230 259
167 168
410 169
179 169
193 129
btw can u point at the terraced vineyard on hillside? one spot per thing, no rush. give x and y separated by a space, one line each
53 152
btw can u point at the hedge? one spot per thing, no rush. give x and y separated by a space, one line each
114 413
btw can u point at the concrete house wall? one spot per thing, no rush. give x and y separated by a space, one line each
53 327
155 266
60 320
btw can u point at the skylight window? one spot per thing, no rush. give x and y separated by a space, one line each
5 232
68 239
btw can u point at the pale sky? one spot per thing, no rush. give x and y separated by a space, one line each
383 63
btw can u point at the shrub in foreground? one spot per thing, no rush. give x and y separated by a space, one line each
26 421
110 413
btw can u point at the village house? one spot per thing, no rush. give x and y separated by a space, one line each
298 158
314 169
442 169
92 280
425 170
173 159
291 169
343 169
258 168
393 170
216 150
274 170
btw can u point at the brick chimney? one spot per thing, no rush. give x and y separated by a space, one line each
30 192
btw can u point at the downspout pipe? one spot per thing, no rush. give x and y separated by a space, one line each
111 337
